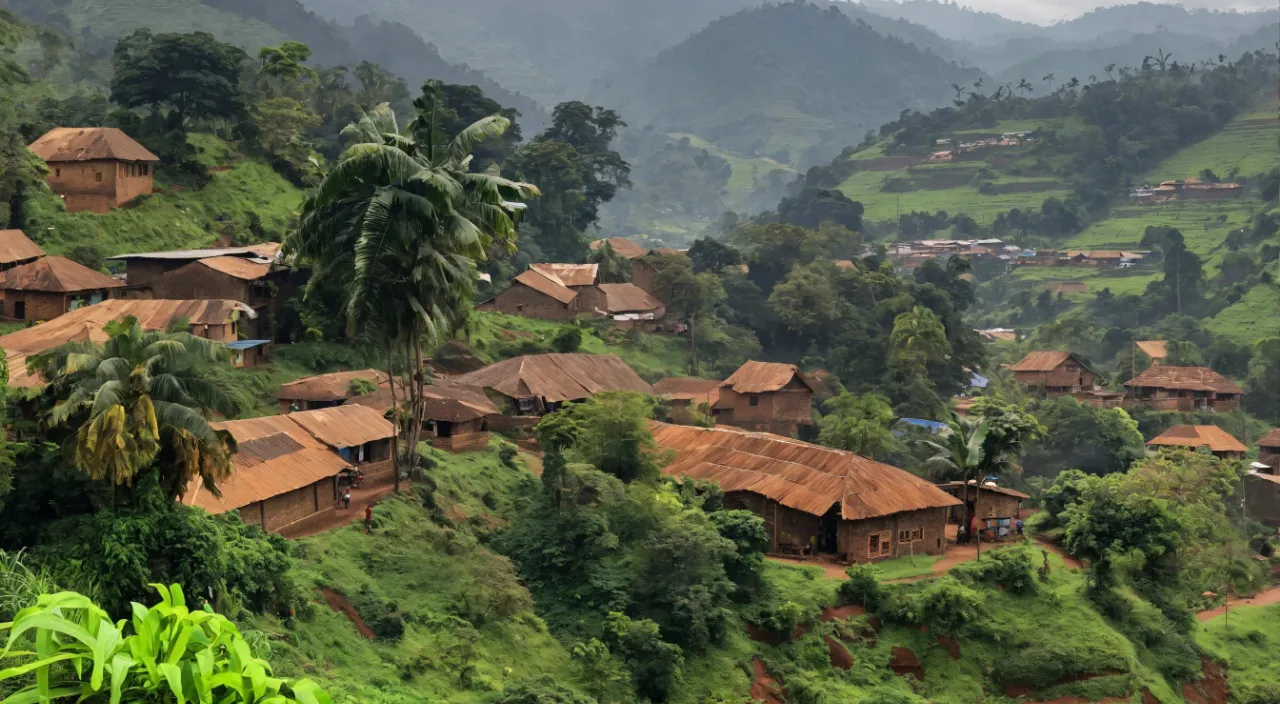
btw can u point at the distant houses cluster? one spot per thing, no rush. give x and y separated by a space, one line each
910 255
1189 189
956 148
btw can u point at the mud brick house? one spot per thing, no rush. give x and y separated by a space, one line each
534 294
526 387
17 249
326 390
766 396
986 501
686 395
630 306
579 278
215 320
1053 373
359 434
142 269
1269 450
455 416
1156 350
623 246
95 169
1167 388
1193 437
51 286
812 498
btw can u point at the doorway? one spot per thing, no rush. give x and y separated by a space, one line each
20 310
828 533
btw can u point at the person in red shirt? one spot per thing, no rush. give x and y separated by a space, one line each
368 518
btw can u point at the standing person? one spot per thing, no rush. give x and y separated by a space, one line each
962 535
346 499
1019 527
368 518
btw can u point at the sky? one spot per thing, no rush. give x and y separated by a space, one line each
1048 11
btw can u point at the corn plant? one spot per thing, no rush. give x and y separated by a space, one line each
163 654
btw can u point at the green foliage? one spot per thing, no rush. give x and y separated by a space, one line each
1096 440
861 424
206 87
544 691
750 537
20 584
173 654
863 588
780 619
567 339
609 431
1013 570
654 664
947 608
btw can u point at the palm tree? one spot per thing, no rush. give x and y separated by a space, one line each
402 221
140 400
962 455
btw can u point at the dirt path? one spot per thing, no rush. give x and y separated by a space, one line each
1262 598
1069 561
339 603
956 555
340 516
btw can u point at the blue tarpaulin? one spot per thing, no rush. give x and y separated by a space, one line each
931 425
246 344
978 381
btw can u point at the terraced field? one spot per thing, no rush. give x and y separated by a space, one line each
746 170
1248 146
1204 224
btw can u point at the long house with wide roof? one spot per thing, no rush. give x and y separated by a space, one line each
1168 388
814 499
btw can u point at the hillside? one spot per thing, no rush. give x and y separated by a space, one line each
779 80
951 20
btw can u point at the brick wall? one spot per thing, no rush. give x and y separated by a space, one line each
144 271
378 472
84 185
777 412
37 305
132 180
507 424
855 536
519 299
789 530
590 299
197 281
1262 497
643 275
467 442
990 504
280 511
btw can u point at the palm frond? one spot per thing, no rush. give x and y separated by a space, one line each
472 135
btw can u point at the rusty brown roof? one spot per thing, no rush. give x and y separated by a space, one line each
86 324
237 267
628 298
16 247
266 466
545 285
1196 436
694 390
89 144
1271 439
557 377
328 387
1155 349
796 474
345 426
623 246
569 274
762 377
1184 379
264 250
1045 361
949 486
55 275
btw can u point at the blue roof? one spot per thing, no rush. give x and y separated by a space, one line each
246 344
978 381
932 425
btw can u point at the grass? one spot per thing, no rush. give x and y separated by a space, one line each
906 567
115 18
1250 319
1120 281
495 336
174 218
1245 644
1245 145
745 169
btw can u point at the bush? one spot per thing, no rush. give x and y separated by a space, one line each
747 532
382 616
947 607
779 619
1012 569
863 588
543 691
568 339
507 455
654 664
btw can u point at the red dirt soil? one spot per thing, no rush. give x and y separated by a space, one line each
1263 598
905 662
951 646
339 603
340 516
833 613
1211 689
1069 561
839 656
764 688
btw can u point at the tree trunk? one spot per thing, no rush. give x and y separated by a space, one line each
395 416
973 522
693 337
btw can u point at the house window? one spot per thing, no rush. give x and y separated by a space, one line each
917 534
904 536
755 400
97 176
57 172
525 405
873 545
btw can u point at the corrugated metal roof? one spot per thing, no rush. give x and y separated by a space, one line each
345 426
15 246
1184 379
55 275
328 387
238 267
628 298
1271 439
1155 349
1196 436
266 250
764 377
1045 361
985 487
623 246
797 474
557 377
89 144
693 390
266 467
569 274
86 324
545 285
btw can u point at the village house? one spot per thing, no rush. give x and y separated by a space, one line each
630 306
1269 450
814 500
1156 350
1193 437
455 416
217 320
683 396
624 247
17 249
985 501
766 396
1168 388
144 269
1053 373
530 386
565 291
579 278
534 294
51 286
287 467
1261 486
95 169
327 390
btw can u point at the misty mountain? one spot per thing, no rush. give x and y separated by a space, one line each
951 20
552 49
791 82
1146 17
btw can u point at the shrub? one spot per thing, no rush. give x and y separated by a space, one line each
747 532
543 691
507 455
1012 569
382 616
947 607
654 664
803 688
863 588
568 339
779 619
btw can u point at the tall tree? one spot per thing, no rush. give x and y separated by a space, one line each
961 455
860 423
463 106
403 221
194 75
688 295
139 402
